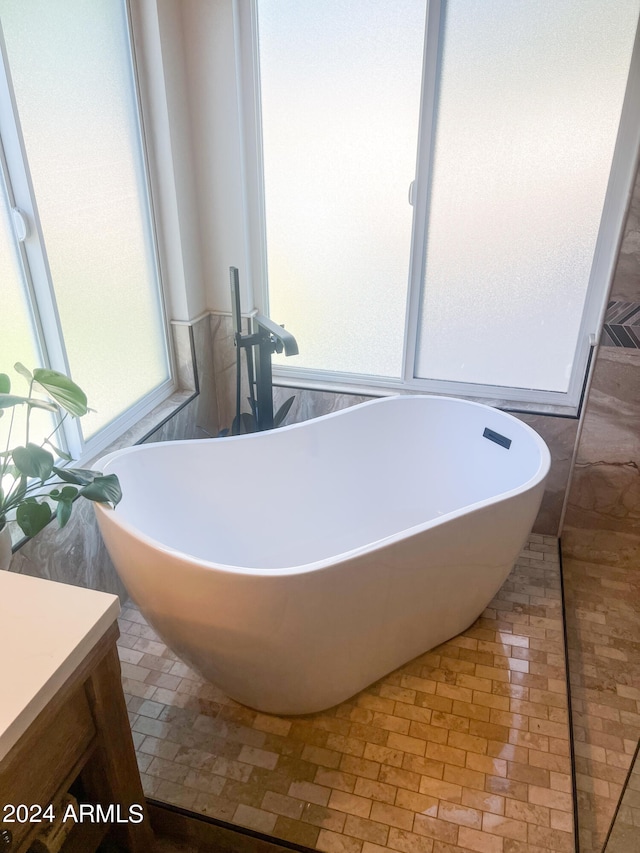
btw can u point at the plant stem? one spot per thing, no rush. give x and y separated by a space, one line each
55 430
29 411
10 503
5 464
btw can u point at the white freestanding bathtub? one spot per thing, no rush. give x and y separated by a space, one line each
295 567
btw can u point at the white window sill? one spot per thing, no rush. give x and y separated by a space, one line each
391 388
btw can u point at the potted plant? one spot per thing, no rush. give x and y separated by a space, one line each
34 485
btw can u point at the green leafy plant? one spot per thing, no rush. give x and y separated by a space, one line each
32 486
248 421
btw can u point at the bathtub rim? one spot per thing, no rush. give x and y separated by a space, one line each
110 515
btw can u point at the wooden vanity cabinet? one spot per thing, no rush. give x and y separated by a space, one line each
81 734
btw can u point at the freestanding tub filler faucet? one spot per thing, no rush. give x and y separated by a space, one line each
265 337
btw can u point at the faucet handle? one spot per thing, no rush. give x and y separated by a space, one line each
283 338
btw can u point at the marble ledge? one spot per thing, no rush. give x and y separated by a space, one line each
610 427
606 547
149 424
605 496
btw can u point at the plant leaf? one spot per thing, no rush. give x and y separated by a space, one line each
33 461
248 422
22 370
32 516
283 411
66 493
63 512
77 476
9 400
5 383
104 489
63 390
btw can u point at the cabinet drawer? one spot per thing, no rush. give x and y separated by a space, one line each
43 758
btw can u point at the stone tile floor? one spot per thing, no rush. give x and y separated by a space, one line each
465 748
602 595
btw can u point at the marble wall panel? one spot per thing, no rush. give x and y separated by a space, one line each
626 282
75 555
194 355
309 404
183 356
605 547
605 491
224 369
626 826
207 417
560 436
198 415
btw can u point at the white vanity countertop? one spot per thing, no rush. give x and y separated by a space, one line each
46 631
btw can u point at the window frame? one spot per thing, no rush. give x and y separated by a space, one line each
618 194
40 291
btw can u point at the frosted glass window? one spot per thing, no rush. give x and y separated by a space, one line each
528 106
340 89
72 75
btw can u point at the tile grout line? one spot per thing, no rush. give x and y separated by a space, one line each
574 784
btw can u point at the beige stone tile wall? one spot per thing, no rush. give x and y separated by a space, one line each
465 748
602 593
626 828
601 555
605 488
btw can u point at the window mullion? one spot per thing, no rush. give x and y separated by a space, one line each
421 188
247 68
619 191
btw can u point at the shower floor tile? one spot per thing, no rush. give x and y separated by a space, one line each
465 748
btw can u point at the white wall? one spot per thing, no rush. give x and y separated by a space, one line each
212 87
193 137
159 46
